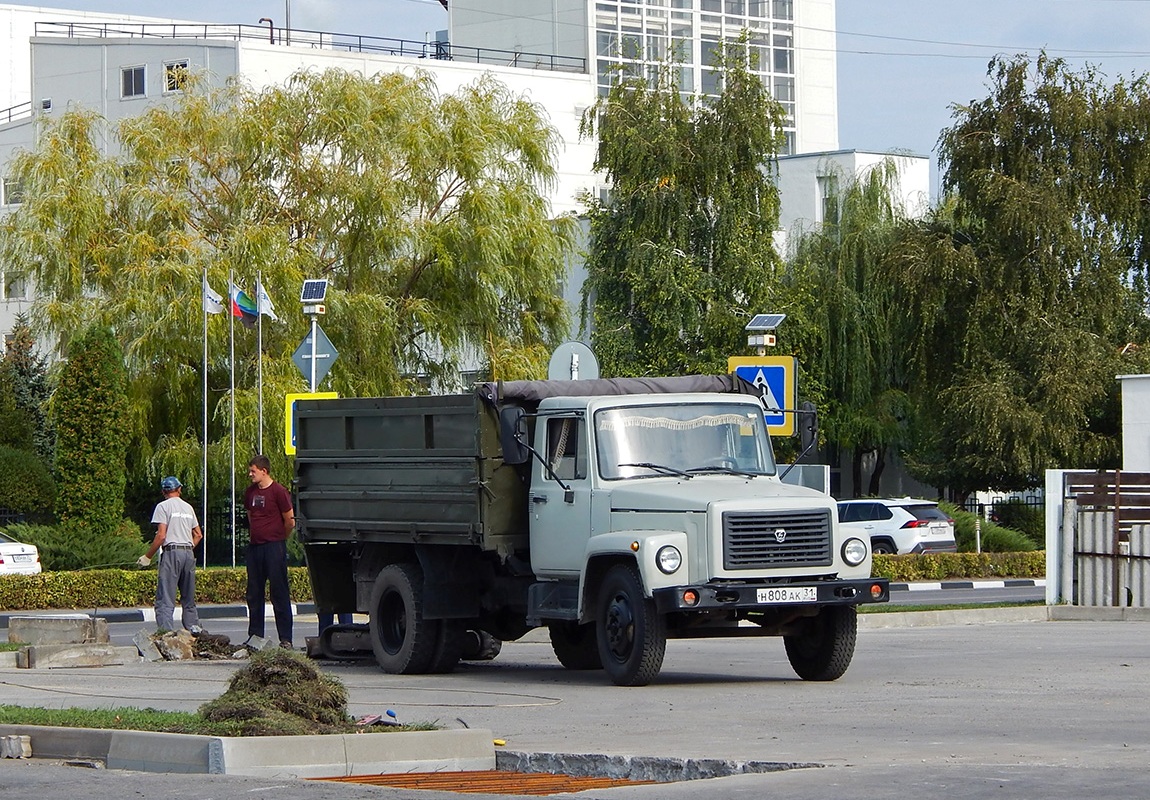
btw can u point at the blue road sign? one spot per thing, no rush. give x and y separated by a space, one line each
774 379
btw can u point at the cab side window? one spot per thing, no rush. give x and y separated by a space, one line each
565 447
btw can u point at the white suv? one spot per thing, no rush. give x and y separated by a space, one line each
899 526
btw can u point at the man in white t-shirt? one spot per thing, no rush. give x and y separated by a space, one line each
178 534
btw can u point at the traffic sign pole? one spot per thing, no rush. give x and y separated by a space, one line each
314 324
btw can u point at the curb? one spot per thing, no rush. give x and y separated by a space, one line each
149 615
934 586
328 756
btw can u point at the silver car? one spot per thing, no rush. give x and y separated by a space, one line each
899 526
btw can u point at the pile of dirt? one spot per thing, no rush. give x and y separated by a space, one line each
281 693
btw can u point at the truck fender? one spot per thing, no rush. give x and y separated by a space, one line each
620 546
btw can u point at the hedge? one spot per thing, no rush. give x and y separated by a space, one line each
117 588
951 566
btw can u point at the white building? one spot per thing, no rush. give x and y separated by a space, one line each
792 41
560 54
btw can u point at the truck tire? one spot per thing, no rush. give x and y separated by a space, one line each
576 646
480 646
403 641
823 647
632 635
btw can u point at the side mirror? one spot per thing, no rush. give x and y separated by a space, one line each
513 435
808 426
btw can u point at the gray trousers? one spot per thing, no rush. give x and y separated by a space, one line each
177 571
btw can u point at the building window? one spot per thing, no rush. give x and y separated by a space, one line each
132 82
175 75
15 286
828 209
11 192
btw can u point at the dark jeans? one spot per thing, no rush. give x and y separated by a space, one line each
267 564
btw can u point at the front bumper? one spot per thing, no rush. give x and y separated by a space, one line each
744 596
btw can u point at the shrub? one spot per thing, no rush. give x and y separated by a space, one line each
994 538
25 483
70 546
949 566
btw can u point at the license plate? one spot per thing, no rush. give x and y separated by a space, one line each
22 558
788 594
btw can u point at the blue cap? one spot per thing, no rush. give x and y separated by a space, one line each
170 483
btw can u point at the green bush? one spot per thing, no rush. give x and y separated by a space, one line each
127 588
70 546
25 483
1019 516
994 538
953 566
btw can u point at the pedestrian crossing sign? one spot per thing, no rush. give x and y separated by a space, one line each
774 380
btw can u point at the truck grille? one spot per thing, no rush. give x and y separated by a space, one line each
751 540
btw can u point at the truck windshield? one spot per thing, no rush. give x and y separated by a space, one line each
649 441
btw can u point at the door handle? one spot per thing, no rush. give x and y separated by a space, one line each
538 498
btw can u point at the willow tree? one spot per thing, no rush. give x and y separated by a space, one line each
846 323
426 212
682 253
1027 290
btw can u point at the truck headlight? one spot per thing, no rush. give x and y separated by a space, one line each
669 559
854 552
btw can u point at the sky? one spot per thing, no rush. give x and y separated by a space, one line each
902 64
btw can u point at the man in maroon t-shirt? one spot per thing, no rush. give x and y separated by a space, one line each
270 521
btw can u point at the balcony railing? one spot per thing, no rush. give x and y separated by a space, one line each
16 112
344 42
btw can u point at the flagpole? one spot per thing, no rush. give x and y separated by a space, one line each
204 484
260 354
232 395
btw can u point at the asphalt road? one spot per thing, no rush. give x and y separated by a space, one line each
1002 710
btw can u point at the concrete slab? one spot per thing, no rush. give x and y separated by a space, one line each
53 656
58 629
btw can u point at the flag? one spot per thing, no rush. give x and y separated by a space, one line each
242 306
213 302
264 302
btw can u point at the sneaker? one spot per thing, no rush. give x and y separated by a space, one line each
286 644
196 630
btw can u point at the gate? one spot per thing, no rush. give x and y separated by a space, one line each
1111 537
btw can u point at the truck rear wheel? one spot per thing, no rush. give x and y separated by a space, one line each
576 646
632 635
823 647
403 641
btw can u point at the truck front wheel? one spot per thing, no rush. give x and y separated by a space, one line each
403 641
632 635
822 648
576 646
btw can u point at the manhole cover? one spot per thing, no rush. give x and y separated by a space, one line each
489 782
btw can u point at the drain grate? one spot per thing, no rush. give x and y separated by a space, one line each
489 782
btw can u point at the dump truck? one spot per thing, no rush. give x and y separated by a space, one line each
617 513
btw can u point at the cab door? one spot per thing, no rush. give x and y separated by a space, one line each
561 517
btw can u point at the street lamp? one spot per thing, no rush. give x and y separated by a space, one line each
761 331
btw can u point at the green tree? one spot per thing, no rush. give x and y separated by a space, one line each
1026 291
845 324
425 212
90 414
682 253
25 371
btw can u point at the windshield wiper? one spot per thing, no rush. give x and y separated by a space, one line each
725 471
659 468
